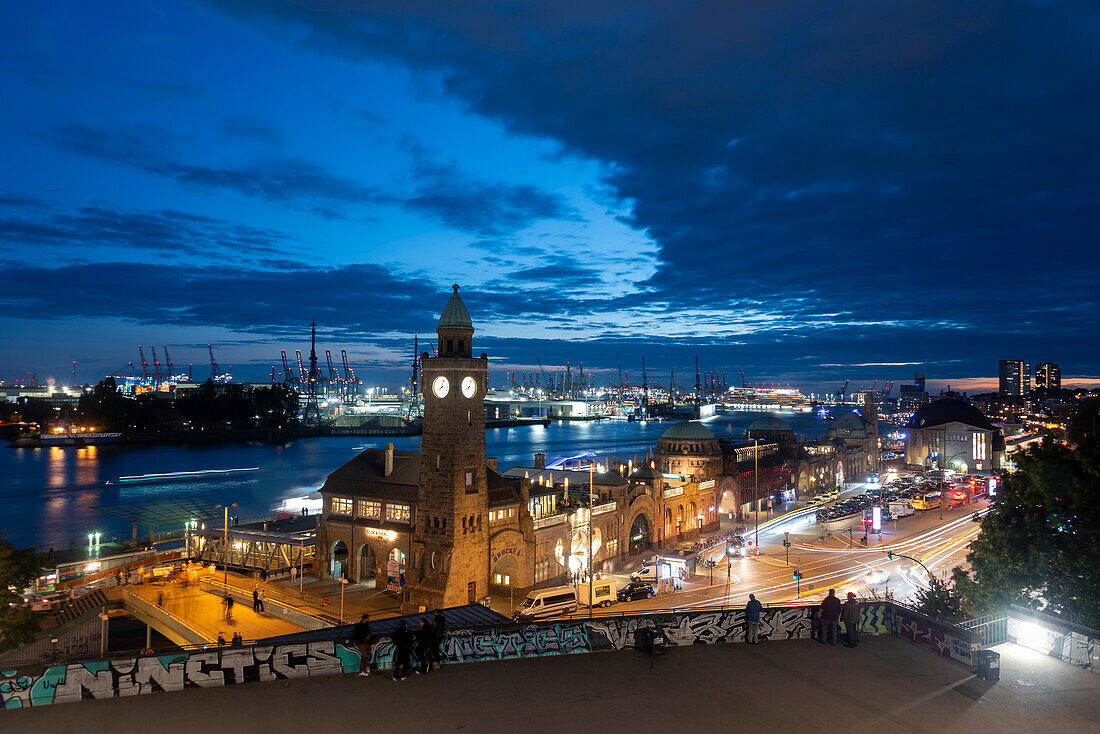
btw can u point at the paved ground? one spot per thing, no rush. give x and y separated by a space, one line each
204 612
885 685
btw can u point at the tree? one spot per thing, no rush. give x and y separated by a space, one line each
1085 422
19 567
940 601
1040 545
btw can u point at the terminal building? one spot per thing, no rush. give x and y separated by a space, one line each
953 434
441 527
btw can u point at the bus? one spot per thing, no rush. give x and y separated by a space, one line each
929 501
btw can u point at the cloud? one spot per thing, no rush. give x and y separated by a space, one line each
168 232
252 127
885 170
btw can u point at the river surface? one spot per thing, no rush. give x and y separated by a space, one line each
50 495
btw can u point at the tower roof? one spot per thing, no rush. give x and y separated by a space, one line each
455 315
687 431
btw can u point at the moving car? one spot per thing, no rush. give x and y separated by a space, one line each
636 590
877 576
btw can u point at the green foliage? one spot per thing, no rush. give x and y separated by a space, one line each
1041 543
19 567
939 600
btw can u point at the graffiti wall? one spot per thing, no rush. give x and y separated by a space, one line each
215 667
942 639
707 628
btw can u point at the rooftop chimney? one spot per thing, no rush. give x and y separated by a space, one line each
389 459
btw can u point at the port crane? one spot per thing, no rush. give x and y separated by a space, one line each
839 394
331 372
645 392
288 376
213 363
144 365
156 364
168 362
301 368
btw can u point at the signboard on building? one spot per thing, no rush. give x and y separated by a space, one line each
389 535
707 484
393 575
674 492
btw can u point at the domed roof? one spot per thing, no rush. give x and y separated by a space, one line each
609 479
949 410
769 423
455 315
687 431
645 474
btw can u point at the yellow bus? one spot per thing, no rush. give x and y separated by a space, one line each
928 501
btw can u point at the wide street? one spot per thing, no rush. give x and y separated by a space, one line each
828 557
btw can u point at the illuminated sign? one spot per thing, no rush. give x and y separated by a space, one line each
674 492
707 484
876 519
379 533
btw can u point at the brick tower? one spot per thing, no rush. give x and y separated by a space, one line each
451 538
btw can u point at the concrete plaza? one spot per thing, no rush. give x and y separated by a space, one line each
884 685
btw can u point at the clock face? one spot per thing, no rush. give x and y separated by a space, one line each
469 387
441 386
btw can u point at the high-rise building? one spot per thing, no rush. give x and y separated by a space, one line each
911 397
1048 375
1015 378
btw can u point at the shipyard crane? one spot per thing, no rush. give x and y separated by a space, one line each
144 365
331 372
213 363
168 362
671 383
301 368
545 377
887 388
156 364
288 376
621 383
272 374
645 392
843 389
697 388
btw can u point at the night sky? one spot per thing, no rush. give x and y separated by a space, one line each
804 191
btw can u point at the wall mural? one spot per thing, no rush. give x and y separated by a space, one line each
215 667
936 637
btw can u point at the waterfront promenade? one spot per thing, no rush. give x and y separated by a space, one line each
885 685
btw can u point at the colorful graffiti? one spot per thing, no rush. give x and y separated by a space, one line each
136 676
940 639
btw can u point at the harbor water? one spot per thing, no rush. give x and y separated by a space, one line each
49 496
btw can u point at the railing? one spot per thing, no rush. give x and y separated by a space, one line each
300 614
990 630
545 522
162 617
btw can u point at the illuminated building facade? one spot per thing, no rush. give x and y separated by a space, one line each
1015 378
1048 375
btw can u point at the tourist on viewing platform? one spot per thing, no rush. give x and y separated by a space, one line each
752 620
849 614
439 634
425 639
228 604
221 639
402 646
260 600
830 616
363 639
256 599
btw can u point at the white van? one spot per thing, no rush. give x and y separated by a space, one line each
547 603
604 593
901 509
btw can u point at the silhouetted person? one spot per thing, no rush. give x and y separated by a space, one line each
849 614
830 615
364 642
402 646
439 635
752 620
425 641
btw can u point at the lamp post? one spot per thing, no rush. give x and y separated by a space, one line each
225 546
591 477
931 578
756 489
343 583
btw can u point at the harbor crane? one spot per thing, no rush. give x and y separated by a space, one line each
331 372
213 363
288 376
545 377
156 364
144 365
645 392
839 394
168 362
301 368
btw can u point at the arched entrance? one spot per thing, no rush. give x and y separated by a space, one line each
640 534
504 578
839 473
338 561
367 566
395 570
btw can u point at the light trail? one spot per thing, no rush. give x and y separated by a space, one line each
198 474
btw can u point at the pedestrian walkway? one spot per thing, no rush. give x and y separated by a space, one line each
203 612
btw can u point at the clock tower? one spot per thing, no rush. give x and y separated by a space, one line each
450 542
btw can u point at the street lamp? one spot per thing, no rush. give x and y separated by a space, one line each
225 546
756 490
343 583
591 476
931 578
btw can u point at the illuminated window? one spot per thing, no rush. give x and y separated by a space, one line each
369 509
397 513
341 505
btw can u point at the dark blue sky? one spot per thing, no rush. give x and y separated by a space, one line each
805 191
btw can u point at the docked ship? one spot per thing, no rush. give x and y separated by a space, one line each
88 438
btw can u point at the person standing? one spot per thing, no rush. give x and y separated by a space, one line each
260 599
402 646
256 599
228 603
849 614
425 637
293 574
830 615
361 636
752 620
439 635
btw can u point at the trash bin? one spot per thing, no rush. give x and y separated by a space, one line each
987 665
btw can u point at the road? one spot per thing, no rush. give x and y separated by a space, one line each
828 557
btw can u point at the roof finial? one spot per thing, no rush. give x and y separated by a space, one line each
455 286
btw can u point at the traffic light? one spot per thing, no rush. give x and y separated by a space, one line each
890 555
797 575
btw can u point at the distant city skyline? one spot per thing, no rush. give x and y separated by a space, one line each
805 193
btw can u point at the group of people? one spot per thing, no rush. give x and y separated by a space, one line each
426 642
828 616
258 597
825 621
238 640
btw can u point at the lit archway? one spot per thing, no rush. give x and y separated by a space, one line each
640 534
338 561
367 563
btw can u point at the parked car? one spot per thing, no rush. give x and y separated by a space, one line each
636 590
648 572
547 603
